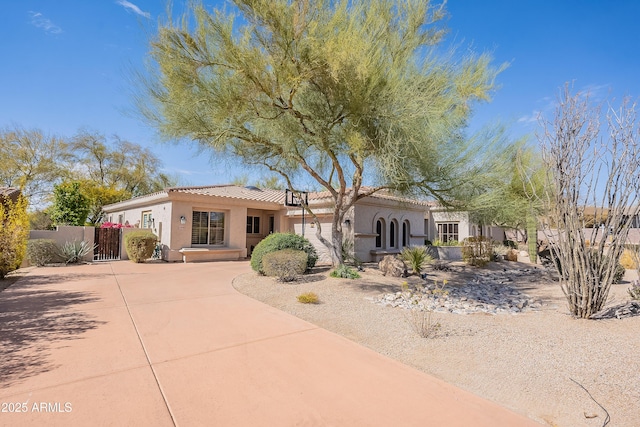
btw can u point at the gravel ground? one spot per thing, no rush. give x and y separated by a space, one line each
527 362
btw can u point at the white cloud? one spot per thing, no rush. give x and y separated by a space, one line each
133 8
38 20
531 118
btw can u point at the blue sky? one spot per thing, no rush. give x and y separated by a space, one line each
66 64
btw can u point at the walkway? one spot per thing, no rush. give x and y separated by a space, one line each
174 344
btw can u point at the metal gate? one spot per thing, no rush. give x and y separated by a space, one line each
107 241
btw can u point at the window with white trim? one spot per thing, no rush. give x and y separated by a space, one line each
146 219
207 228
448 231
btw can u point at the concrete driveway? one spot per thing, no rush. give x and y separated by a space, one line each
174 344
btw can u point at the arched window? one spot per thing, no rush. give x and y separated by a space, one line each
393 238
379 233
406 238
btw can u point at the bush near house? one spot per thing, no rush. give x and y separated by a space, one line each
43 251
287 264
140 245
14 233
477 251
278 241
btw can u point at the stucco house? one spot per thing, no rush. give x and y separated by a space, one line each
227 222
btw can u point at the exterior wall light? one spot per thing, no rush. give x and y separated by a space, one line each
183 220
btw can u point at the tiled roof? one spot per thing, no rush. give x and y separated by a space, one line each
6 192
235 192
380 194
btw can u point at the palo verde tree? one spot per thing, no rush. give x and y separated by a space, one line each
589 171
339 91
32 161
510 195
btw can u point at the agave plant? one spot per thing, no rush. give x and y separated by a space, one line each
73 252
417 257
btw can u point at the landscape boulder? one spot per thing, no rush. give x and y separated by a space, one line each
393 266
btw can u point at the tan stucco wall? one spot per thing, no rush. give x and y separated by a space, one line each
65 234
364 224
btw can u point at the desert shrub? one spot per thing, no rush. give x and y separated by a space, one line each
511 255
286 264
345 272
510 244
348 253
42 251
422 323
629 259
597 259
14 233
477 251
278 241
416 257
73 252
140 245
439 242
634 290
308 298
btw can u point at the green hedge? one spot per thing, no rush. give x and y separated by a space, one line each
140 245
278 241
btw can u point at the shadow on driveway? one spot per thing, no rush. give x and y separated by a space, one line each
33 319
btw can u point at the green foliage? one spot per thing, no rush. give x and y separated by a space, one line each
73 252
287 264
510 244
42 251
477 251
140 245
345 272
416 257
14 233
70 206
278 241
328 89
509 194
308 298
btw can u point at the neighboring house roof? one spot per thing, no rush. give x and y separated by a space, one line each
9 193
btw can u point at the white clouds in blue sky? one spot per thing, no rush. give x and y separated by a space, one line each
133 8
40 21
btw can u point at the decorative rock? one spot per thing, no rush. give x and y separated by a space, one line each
629 309
392 266
486 294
